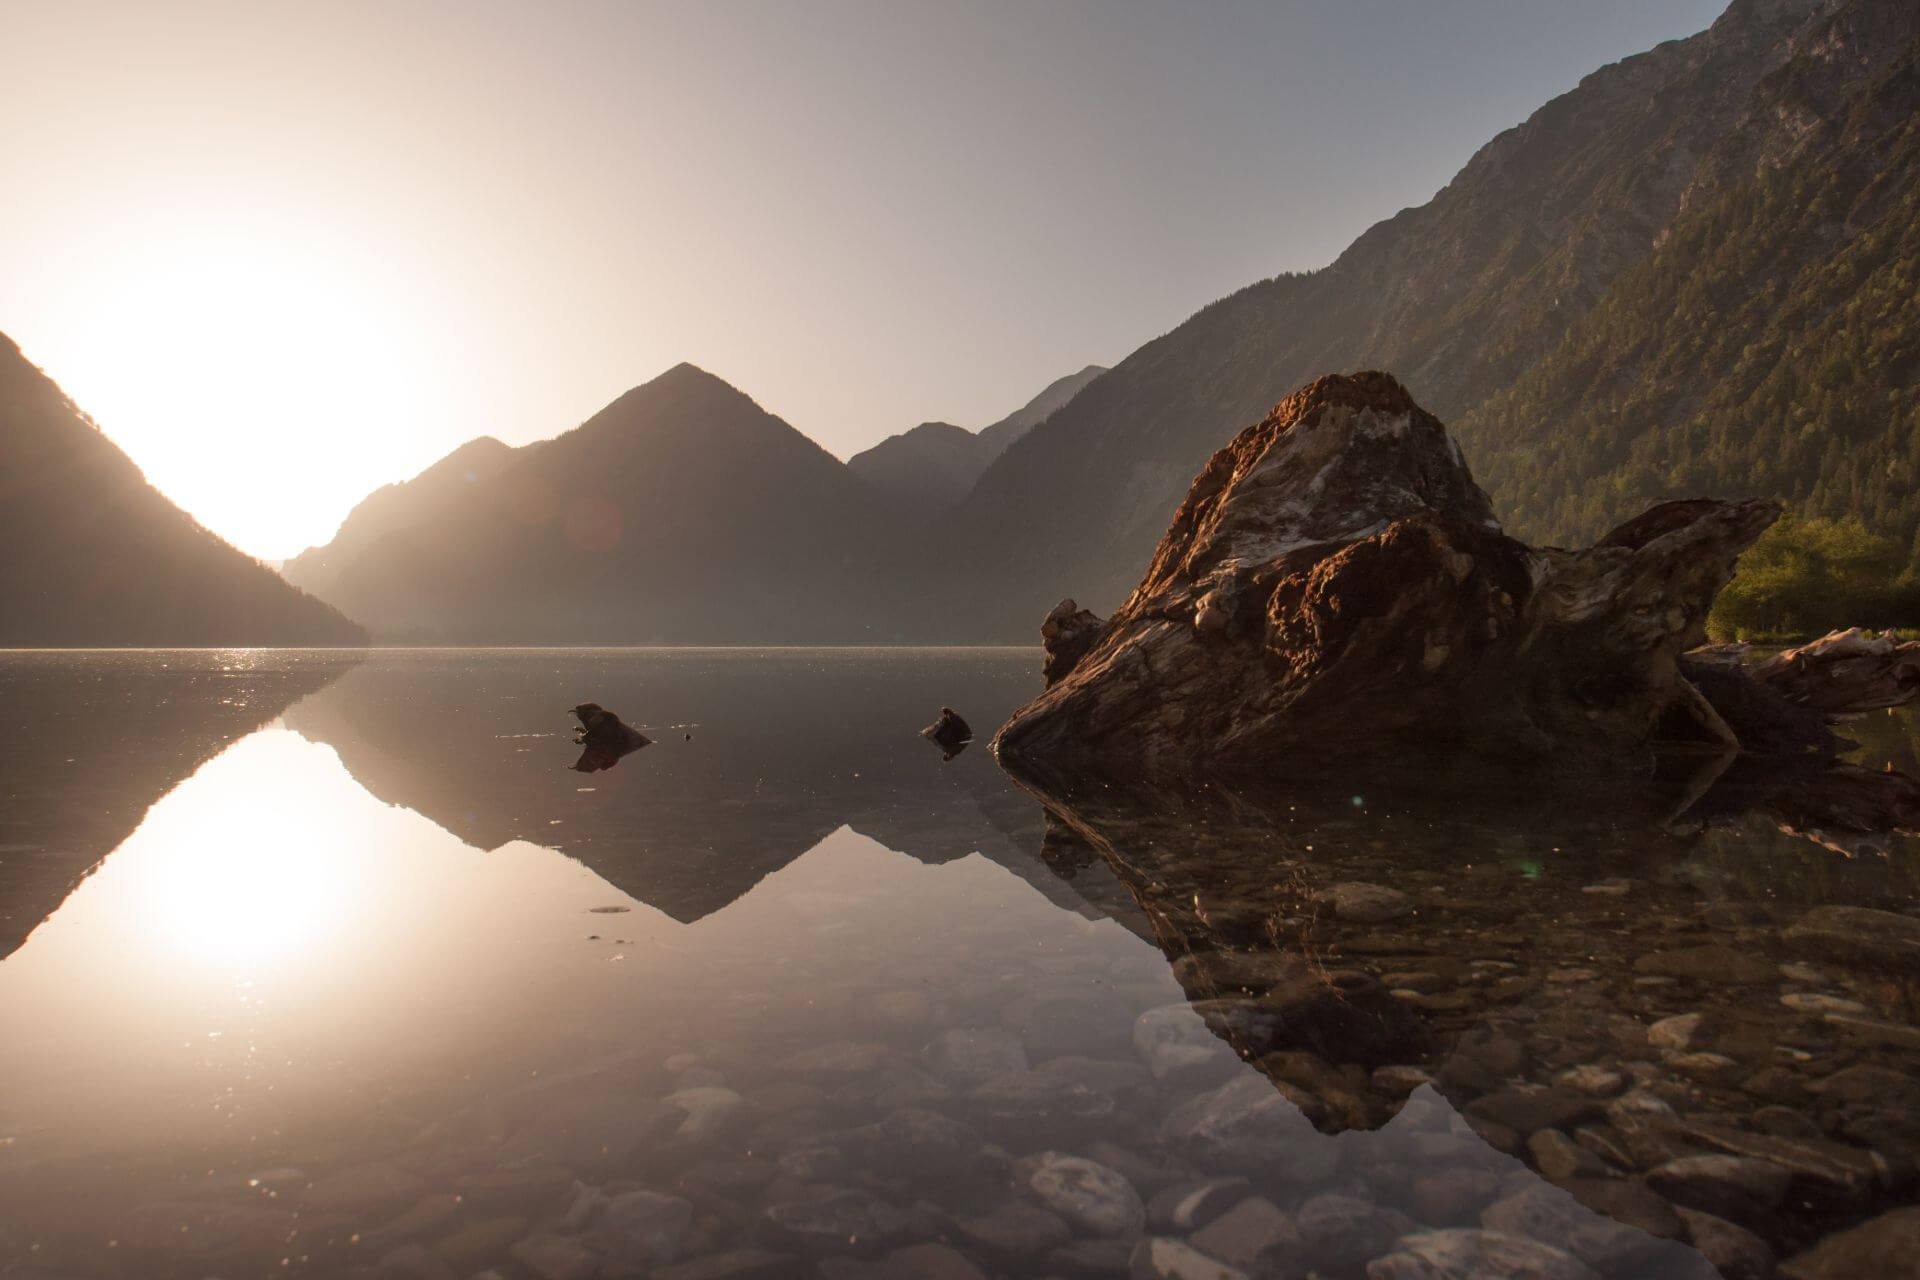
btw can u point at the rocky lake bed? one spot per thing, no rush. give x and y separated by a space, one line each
1339 1032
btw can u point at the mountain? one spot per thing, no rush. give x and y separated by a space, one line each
1461 297
926 470
429 497
999 435
1770 343
680 513
92 555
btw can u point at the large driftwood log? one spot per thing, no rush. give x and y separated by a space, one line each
1845 673
1336 584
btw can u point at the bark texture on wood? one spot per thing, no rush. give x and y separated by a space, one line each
1336 584
1845 673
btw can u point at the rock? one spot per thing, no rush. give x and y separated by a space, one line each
1734 1187
1175 1043
965 1057
1674 1033
555 1258
1015 1231
1709 1067
836 1219
709 1109
412 1262
1629 1203
1735 1252
1464 1254
1833 1165
948 732
479 1243
1240 1235
1711 963
529 1190
932 1262
1453 1196
1399 1080
1249 1126
1901 1034
364 1190
1857 935
734 1264
1364 903
1158 1258
592 1132
1526 1110
1594 1081
200 1234
1093 1259
1814 1003
1070 1022
1886 1248
1548 1213
914 1144
1093 1199
643 1228
1039 1098
1185 1207
1067 631
1559 1157
428 1215
841 1058
1865 1083
1335 565
1340 1233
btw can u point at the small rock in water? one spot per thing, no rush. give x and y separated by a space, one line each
1734 1251
1365 903
1092 1198
1736 1187
1815 1003
1594 1081
1188 1206
1465 1254
1676 1032
1158 1258
555 1258
1240 1235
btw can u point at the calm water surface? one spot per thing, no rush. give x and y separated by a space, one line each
329 964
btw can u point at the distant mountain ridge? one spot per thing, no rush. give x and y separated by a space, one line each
680 513
91 555
927 471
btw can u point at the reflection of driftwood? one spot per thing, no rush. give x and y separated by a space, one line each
1335 584
1845 673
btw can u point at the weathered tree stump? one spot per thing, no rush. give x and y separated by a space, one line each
1336 585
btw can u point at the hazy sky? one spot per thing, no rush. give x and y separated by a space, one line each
285 253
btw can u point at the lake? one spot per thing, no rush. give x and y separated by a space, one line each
330 964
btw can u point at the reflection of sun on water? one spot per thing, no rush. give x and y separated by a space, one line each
232 883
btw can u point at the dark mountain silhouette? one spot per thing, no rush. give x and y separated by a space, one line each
928 470
999 435
682 512
92 555
925 471
1459 297
431 497
92 740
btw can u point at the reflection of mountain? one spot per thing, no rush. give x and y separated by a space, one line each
93 739
784 749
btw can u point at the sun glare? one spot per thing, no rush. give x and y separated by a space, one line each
248 364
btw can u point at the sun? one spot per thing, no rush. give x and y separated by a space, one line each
250 364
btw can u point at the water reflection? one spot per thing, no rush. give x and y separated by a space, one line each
355 994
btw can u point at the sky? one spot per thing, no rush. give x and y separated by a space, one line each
285 253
